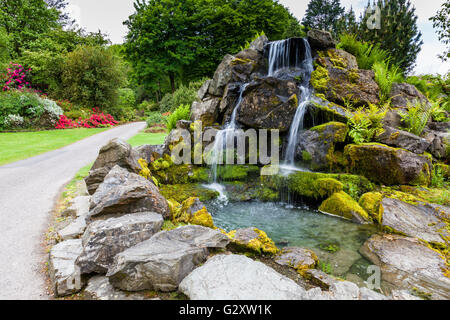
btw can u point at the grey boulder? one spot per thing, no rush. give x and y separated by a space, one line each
64 274
320 40
123 192
79 207
99 288
236 277
164 260
74 229
402 139
104 239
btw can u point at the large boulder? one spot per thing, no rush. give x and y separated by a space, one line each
439 143
415 220
342 205
316 145
387 165
236 277
206 111
404 95
406 263
259 43
123 192
253 240
116 152
402 139
164 260
64 273
320 40
269 104
149 153
105 238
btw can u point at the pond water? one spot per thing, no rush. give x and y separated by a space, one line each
335 241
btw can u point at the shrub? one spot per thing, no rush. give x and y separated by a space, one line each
365 125
125 107
155 117
17 77
148 106
96 120
183 95
183 112
13 120
416 118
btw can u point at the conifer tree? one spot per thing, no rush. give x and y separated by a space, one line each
324 15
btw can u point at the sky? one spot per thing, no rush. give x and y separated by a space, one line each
108 16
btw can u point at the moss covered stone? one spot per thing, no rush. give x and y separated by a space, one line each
320 79
371 202
252 240
332 131
341 204
181 192
236 172
203 218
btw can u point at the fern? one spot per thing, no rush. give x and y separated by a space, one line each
365 125
416 118
386 75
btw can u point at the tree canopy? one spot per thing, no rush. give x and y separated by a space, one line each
324 15
441 22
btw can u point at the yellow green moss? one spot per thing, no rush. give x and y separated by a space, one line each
341 204
236 172
371 202
320 79
327 186
203 218
263 244
181 192
335 131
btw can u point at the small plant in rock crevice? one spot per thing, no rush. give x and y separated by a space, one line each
366 124
416 118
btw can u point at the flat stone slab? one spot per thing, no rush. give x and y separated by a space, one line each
420 221
99 288
297 258
73 230
236 277
344 290
79 207
64 274
407 263
104 239
164 260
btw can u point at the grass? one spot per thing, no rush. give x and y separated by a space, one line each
71 187
22 145
147 138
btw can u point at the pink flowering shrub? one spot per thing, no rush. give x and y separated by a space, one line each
97 120
17 77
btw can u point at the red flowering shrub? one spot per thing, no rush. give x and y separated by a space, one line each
96 120
17 77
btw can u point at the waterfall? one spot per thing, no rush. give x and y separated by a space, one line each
283 54
306 92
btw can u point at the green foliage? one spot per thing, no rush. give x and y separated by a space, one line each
437 177
294 29
437 111
398 33
183 112
248 43
91 78
5 48
125 108
323 15
441 22
155 117
183 95
415 118
432 86
365 125
385 76
326 267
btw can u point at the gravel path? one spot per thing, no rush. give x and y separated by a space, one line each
28 190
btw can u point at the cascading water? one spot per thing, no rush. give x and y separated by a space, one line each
283 54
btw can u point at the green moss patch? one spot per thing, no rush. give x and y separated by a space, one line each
181 192
341 204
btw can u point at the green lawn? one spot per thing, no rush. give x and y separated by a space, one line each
147 138
23 145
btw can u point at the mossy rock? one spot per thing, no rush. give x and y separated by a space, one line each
387 165
341 204
332 131
236 172
252 240
192 211
371 202
203 218
181 192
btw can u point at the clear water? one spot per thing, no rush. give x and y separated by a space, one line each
301 227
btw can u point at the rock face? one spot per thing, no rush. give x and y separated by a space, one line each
79 207
163 261
320 40
404 95
297 258
116 152
64 274
420 221
315 146
269 104
99 288
104 239
236 277
439 143
389 166
206 111
123 192
403 139
73 230
259 43
149 153
407 263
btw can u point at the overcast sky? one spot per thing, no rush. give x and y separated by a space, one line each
108 15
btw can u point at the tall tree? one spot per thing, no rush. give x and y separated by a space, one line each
398 32
61 5
324 15
441 22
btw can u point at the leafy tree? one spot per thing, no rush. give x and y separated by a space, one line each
441 22
25 21
91 77
324 15
61 5
398 34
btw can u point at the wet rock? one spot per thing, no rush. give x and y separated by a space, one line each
123 192
316 145
105 238
320 40
407 263
164 260
387 165
206 111
269 104
420 221
297 258
404 95
236 277
64 274
402 139
342 205
99 288
254 240
116 152
79 207
73 230
149 153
